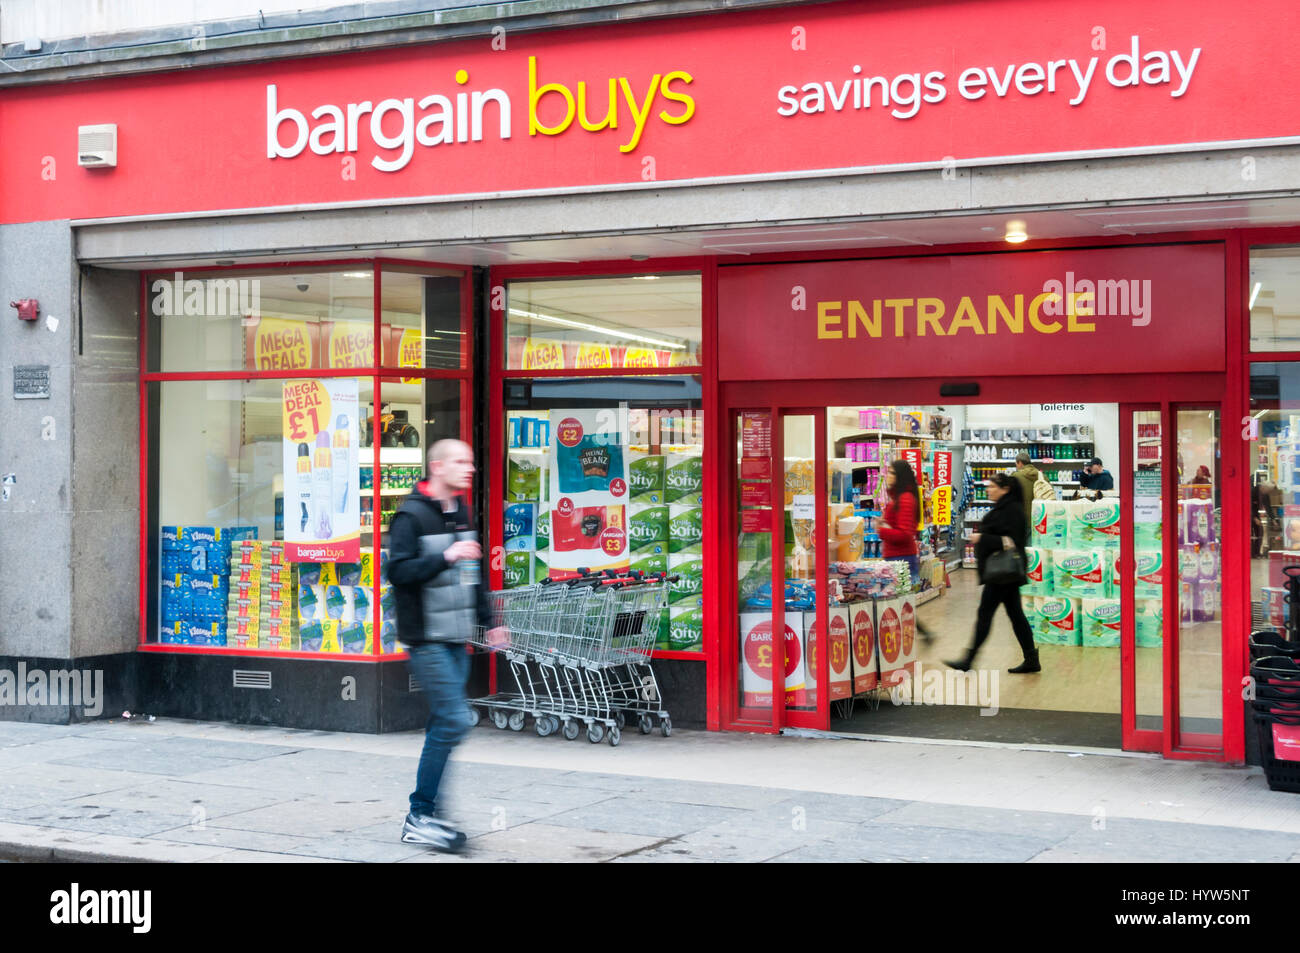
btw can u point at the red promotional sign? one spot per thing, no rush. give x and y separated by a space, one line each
1145 310
756 521
756 494
842 86
913 457
943 468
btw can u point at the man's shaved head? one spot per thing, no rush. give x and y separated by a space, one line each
444 448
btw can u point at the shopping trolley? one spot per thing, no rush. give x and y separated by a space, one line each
579 653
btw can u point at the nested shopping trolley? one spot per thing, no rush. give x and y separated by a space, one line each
579 653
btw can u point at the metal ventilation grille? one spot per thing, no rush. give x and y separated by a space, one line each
245 678
410 684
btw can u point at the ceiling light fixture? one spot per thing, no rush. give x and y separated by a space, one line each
1016 233
550 319
1255 294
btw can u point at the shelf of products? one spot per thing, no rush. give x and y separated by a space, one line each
637 501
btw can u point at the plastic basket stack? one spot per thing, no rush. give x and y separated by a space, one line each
1275 670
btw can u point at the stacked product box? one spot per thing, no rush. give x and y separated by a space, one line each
259 611
335 612
194 586
648 526
1072 597
527 520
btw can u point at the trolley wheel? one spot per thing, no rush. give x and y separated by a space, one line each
544 726
473 716
646 724
500 718
571 729
516 721
615 736
620 719
666 726
595 732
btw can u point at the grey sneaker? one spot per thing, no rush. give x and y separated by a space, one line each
432 832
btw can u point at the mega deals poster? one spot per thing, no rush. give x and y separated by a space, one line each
588 492
322 468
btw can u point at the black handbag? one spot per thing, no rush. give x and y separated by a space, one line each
1005 567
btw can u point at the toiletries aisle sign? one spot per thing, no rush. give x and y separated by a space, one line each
588 491
800 88
1096 311
322 471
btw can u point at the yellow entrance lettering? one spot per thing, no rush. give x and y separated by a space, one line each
870 322
825 318
898 304
1037 323
1015 322
965 317
1073 310
929 311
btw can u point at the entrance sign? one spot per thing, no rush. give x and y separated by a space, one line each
1126 310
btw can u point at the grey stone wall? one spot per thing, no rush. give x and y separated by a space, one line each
36 443
106 465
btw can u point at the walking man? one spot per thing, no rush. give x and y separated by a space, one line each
435 569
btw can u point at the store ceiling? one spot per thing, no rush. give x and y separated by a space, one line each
918 233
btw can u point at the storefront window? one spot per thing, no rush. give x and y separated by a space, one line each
287 320
1274 291
643 321
271 497
1274 490
258 540
420 319
607 473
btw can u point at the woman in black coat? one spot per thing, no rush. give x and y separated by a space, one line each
1005 519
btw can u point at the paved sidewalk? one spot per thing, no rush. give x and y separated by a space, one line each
197 791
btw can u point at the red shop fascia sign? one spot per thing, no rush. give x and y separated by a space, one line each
804 88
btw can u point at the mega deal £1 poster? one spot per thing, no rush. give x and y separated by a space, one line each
322 514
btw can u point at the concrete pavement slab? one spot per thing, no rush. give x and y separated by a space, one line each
656 819
550 843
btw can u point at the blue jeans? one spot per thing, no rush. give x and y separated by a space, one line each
441 670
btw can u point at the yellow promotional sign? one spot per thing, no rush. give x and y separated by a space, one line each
307 410
410 351
281 345
683 358
543 355
641 357
351 344
941 505
593 355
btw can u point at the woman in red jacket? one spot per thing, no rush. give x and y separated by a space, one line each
901 521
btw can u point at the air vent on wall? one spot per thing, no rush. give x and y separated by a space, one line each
245 678
97 146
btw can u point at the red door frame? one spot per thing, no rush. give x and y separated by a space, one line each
377 373
792 396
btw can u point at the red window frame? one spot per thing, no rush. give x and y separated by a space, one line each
377 373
